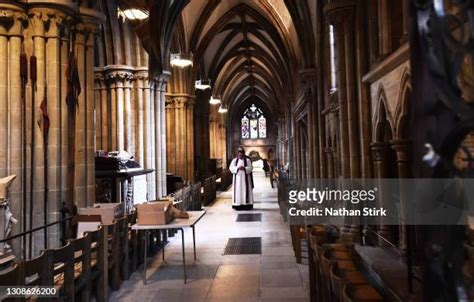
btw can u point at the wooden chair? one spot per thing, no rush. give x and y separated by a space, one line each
60 270
10 277
113 256
360 293
82 267
99 263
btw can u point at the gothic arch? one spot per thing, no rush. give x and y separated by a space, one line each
381 117
403 110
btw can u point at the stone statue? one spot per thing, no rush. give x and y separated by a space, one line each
8 218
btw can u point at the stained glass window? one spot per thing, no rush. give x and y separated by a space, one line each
262 127
253 124
245 128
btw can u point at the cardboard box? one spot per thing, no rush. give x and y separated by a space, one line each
108 211
154 213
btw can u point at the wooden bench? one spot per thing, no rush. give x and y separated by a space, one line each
99 263
123 247
11 276
60 270
82 267
113 256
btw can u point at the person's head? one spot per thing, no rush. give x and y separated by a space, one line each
241 153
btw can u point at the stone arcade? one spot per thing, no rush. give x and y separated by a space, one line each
311 89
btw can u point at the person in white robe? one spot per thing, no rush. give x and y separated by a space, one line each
242 183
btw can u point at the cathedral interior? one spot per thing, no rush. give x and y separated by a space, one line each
120 102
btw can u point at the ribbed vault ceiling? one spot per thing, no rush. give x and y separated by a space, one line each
247 48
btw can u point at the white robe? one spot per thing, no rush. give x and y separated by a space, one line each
241 193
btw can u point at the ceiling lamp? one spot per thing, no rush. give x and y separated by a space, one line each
133 14
181 60
214 100
203 84
222 109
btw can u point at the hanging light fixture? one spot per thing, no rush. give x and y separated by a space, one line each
203 84
181 60
222 109
133 14
215 100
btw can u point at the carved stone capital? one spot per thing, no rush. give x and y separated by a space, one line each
57 23
118 73
12 21
403 149
379 150
179 101
141 73
39 18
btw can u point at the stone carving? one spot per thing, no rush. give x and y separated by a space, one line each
8 218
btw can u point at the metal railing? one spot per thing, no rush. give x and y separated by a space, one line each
65 219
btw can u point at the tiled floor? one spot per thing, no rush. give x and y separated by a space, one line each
273 276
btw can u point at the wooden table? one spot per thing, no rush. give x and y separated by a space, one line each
179 224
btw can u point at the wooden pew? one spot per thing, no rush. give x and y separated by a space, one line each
99 263
132 243
9 277
123 247
60 270
113 256
82 267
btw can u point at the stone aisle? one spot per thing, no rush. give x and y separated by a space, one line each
273 276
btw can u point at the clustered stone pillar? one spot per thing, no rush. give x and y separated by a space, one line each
44 30
403 150
341 16
180 131
13 21
131 117
379 151
119 79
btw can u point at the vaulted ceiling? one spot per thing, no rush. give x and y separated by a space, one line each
250 49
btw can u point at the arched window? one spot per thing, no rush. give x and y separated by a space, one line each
253 123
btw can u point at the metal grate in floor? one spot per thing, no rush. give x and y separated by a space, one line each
244 246
249 217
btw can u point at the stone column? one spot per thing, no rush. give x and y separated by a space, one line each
403 149
379 151
156 99
309 82
385 39
102 112
119 78
13 21
164 78
86 33
336 16
351 91
180 107
141 75
150 141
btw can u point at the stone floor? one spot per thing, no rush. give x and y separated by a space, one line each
273 276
